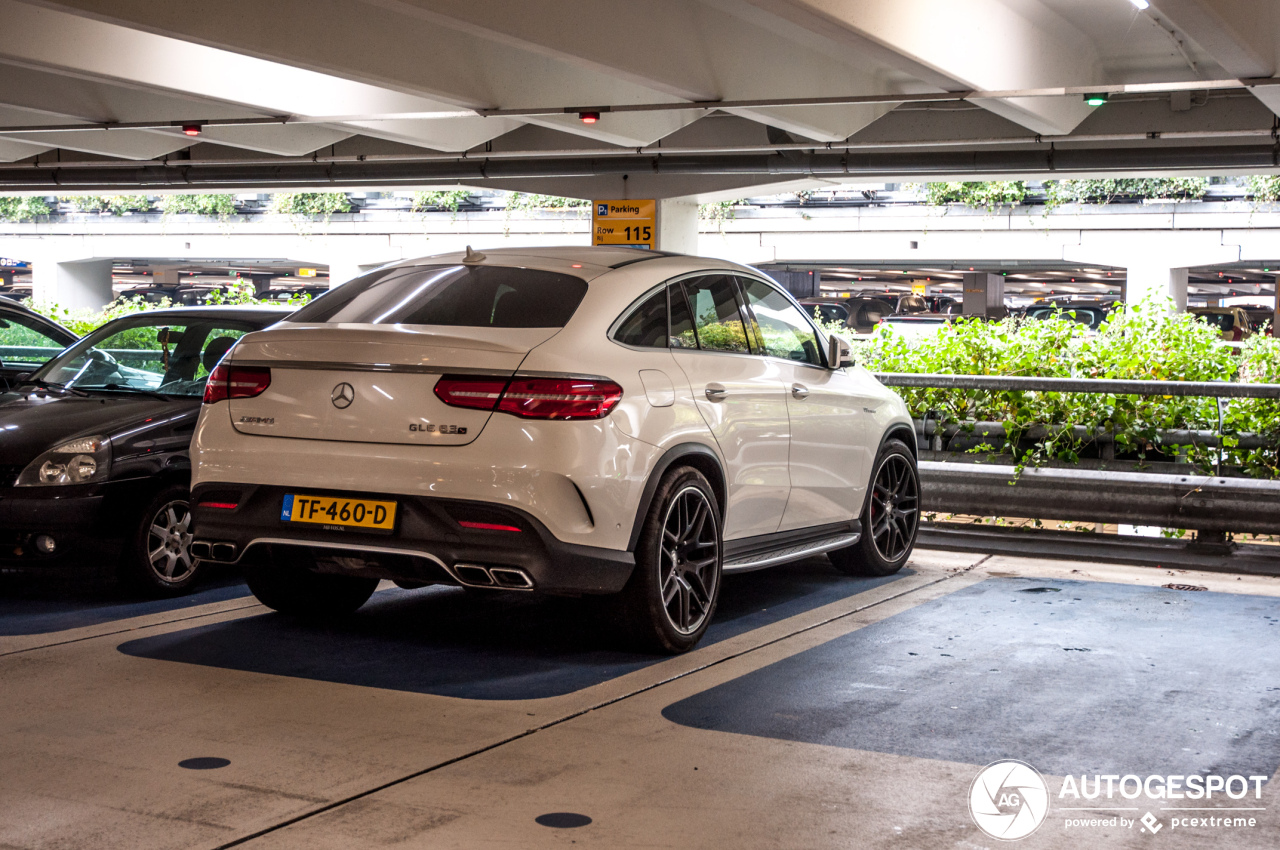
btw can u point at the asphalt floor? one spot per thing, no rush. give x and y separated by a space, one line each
820 711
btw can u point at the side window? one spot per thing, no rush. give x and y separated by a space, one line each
646 326
717 316
23 344
781 327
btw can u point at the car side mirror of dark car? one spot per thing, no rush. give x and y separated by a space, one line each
839 355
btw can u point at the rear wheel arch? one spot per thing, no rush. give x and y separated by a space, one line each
696 455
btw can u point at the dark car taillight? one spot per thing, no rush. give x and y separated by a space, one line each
232 381
532 398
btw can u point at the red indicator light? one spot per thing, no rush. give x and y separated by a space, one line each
589 117
223 506
486 526
191 129
576 266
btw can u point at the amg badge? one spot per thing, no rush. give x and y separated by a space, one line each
439 429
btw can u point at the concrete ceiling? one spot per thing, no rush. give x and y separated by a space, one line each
378 92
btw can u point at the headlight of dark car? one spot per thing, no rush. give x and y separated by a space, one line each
78 461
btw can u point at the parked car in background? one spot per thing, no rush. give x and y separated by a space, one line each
908 304
1089 313
27 340
917 324
1231 322
1261 318
859 313
284 293
551 420
94 463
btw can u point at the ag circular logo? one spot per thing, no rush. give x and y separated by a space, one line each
1008 800
342 396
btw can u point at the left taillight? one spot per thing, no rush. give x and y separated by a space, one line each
232 381
532 398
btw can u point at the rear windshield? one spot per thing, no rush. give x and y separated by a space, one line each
469 296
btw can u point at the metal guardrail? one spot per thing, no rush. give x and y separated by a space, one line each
1200 389
1213 504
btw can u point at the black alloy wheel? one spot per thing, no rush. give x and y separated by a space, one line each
890 517
671 597
894 507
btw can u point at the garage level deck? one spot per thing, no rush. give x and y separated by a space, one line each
821 711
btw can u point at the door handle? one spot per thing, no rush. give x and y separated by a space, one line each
715 392
799 391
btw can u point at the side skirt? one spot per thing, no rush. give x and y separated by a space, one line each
756 553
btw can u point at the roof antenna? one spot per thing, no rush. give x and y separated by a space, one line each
473 257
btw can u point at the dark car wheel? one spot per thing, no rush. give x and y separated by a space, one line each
670 599
284 579
158 559
890 518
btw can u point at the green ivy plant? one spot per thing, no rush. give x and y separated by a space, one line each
114 204
979 195
310 204
449 200
22 208
222 206
1059 192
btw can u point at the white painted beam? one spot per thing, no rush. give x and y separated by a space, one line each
1241 35
978 44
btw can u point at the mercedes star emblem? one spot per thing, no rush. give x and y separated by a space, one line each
343 395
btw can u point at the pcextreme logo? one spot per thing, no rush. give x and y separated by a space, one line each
1010 800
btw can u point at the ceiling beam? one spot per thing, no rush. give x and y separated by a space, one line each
1240 35
979 44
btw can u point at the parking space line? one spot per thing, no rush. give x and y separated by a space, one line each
30 643
730 652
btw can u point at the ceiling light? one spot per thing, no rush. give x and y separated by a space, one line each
1140 4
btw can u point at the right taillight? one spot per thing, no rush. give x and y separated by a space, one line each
232 381
532 398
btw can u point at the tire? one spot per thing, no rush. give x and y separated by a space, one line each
283 579
157 559
890 517
671 596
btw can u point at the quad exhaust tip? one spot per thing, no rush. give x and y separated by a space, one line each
205 550
507 578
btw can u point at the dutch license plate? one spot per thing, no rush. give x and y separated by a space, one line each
348 513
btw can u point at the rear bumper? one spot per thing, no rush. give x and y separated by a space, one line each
427 546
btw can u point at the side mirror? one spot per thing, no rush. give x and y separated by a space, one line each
839 355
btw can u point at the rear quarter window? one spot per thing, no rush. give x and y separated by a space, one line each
465 296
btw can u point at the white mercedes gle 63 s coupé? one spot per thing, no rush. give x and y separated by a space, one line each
568 421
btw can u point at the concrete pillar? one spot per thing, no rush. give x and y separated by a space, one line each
343 269
801 284
983 294
75 285
1147 281
677 226
1275 309
261 283
166 275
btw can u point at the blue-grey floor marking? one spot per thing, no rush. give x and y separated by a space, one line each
1094 678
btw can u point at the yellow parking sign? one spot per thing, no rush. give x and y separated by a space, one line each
631 223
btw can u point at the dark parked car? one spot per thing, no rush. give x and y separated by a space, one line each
94 464
859 313
1090 313
27 340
